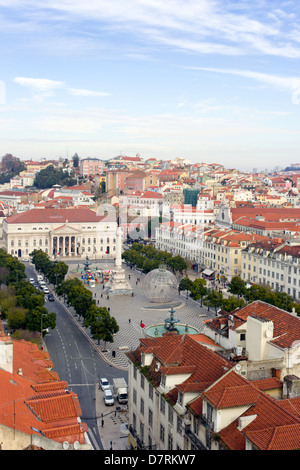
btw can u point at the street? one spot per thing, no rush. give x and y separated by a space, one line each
76 361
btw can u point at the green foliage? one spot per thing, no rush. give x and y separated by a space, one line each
199 290
54 272
39 317
13 270
102 325
103 328
148 258
214 299
232 303
237 286
10 167
186 284
50 176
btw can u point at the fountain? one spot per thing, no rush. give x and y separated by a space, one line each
170 325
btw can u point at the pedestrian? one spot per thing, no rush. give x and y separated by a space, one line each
98 302
129 321
108 309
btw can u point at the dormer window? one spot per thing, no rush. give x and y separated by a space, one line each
180 398
163 380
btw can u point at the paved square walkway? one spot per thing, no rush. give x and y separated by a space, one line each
131 311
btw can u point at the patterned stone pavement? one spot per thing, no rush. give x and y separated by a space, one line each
131 311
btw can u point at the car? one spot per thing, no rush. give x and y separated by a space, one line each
31 280
108 397
104 384
46 290
51 297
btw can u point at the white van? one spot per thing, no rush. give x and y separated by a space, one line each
108 397
92 283
40 277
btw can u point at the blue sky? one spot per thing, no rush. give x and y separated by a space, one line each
207 80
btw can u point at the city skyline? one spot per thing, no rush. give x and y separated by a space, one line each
209 81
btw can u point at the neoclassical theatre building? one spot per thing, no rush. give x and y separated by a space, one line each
61 233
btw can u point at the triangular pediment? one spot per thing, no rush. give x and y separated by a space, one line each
65 230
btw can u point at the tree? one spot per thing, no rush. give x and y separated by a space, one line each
50 176
75 159
214 299
177 263
237 286
58 272
11 164
104 328
232 303
199 290
185 284
39 317
17 317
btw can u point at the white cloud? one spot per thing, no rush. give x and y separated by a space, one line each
204 26
81 92
46 87
39 85
291 84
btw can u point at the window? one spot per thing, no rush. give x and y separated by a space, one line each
142 406
179 425
162 405
134 396
170 442
150 391
196 426
150 417
162 433
142 382
170 414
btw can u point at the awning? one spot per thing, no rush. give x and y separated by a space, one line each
207 272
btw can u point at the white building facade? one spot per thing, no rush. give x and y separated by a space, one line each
60 233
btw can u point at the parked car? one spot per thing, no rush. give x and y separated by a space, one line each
31 280
51 297
46 290
104 384
108 397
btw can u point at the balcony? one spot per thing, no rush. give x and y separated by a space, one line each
138 440
193 438
208 423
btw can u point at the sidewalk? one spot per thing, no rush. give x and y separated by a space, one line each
109 423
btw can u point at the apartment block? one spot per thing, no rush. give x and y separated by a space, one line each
273 263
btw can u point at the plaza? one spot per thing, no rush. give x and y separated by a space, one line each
130 311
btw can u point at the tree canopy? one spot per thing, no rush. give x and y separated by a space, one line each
147 258
10 167
50 176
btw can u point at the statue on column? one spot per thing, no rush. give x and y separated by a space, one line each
119 284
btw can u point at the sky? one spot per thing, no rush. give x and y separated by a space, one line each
214 81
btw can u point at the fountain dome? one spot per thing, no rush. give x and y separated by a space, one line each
160 285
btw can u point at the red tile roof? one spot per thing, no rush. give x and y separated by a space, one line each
54 216
286 325
33 398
